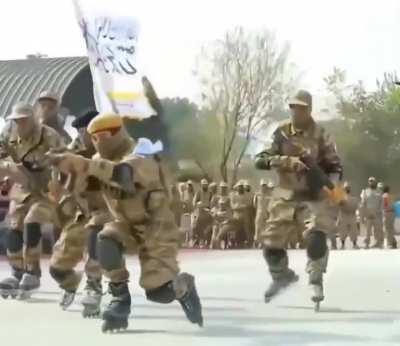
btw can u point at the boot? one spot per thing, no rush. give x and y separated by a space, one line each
190 301
343 245
92 298
279 283
67 299
317 289
316 269
355 246
29 283
115 316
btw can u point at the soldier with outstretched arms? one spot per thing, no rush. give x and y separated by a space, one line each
134 189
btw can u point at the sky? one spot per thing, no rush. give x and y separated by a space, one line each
361 37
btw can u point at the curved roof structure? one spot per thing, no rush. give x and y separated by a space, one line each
25 79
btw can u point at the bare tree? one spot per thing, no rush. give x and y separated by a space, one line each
246 78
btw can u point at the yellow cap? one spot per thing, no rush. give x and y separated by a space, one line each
104 122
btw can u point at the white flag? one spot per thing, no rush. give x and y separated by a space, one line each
112 47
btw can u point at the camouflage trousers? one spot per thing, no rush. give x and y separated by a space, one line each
244 221
227 230
156 243
70 249
26 219
289 216
347 227
259 223
78 237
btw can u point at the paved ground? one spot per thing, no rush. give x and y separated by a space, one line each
362 307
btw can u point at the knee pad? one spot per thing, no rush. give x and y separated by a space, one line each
110 253
274 256
15 241
60 275
164 294
316 245
92 242
32 234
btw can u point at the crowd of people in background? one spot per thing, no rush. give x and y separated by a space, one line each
215 216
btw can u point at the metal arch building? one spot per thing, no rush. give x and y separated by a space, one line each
25 79
71 79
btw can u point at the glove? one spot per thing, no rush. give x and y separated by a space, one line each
293 164
68 163
337 195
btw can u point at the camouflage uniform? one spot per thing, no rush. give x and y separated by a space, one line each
223 193
223 228
241 213
347 220
213 189
176 204
251 211
292 205
30 206
203 196
371 213
133 187
82 213
187 197
261 203
56 121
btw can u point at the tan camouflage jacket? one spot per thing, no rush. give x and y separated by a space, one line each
24 160
314 140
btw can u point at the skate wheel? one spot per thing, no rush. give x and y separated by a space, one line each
317 307
91 314
113 326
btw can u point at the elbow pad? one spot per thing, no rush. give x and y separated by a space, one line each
122 175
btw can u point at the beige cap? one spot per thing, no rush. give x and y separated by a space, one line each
263 182
189 182
213 184
48 95
302 98
371 179
246 183
204 182
223 184
271 185
21 110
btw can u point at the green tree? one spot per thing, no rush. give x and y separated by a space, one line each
193 134
367 133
